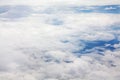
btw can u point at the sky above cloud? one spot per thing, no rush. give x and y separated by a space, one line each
59 40
59 2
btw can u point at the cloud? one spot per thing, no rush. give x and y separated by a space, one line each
13 12
33 47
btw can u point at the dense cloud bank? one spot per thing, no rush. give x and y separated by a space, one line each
60 42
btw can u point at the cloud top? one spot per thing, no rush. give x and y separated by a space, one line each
59 42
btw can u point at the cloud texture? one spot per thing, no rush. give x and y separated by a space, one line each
59 42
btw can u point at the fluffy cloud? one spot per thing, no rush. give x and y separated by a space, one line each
49 46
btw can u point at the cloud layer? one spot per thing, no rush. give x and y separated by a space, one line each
57 43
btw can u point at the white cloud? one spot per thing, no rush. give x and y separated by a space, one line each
34 49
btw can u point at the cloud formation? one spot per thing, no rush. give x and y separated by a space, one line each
47 43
